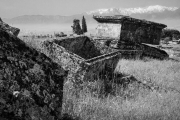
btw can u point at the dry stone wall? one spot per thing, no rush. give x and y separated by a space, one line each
31 84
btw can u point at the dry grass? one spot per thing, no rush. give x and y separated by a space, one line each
163 73
148 105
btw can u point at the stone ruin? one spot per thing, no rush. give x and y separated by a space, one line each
12 30
82 57
31 81
31 84
76 27
125 28
131 34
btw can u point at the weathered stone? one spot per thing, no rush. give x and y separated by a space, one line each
126 28
31 84
131 33
76 27
4 26
83 57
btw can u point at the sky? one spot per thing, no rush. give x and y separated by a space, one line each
14 8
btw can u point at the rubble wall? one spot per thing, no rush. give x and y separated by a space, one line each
108 30
31 84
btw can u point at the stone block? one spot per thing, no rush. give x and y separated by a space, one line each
31 84
83 57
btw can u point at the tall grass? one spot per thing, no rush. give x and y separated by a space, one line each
145 105
163 73
149 105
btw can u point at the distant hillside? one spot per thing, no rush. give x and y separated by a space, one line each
155 13
45 19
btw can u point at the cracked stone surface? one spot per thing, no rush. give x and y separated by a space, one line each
31 84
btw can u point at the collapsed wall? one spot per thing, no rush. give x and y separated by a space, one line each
31 84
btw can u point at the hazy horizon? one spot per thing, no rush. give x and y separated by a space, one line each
14 8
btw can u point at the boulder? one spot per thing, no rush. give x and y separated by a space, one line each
31 84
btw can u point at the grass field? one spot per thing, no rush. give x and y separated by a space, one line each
136 102
146 105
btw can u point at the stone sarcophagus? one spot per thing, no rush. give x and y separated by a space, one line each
125 28
128 35
82 57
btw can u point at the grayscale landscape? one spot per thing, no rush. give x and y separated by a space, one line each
90 60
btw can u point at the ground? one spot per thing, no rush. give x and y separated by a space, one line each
136 102
159 100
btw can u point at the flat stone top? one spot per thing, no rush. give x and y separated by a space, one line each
118 19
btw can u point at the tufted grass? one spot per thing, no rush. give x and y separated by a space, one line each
147 105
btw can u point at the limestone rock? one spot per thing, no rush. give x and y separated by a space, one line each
31 84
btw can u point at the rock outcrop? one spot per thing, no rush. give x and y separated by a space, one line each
12 30
31 84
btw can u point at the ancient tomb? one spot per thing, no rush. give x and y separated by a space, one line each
82 57
125 28
31 84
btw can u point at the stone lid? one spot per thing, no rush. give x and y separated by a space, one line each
121 19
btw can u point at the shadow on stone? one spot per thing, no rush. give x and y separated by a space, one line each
31 84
